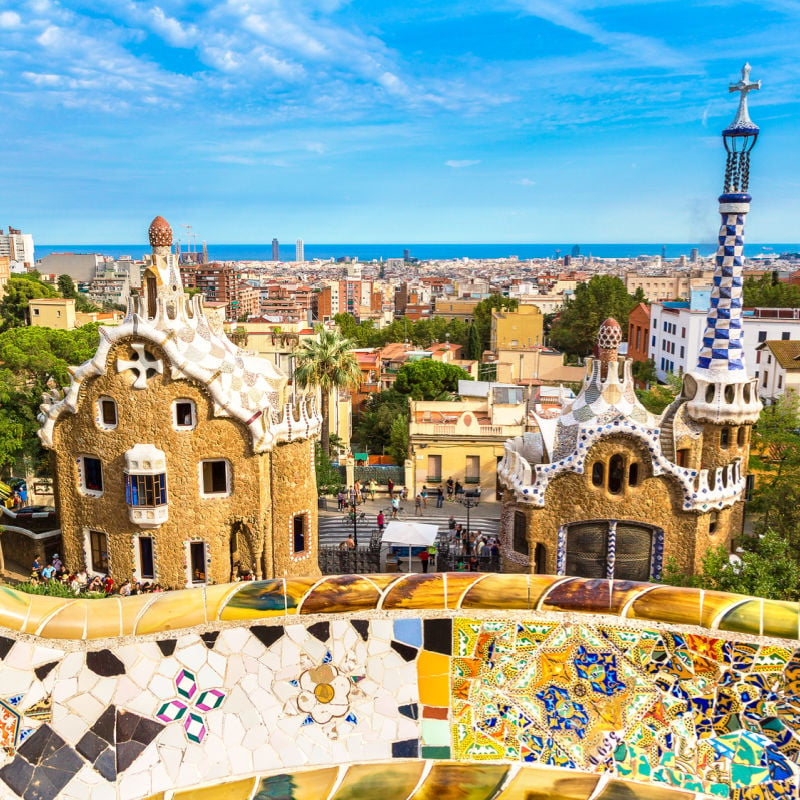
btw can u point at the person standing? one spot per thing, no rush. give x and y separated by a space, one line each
439 497
381 521
390 487
372 487
450 489
423 557
424 495
395 507
418 506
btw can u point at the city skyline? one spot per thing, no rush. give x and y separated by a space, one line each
359 122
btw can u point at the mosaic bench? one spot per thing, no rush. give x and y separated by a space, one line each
476 687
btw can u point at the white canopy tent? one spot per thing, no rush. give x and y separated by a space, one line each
413 534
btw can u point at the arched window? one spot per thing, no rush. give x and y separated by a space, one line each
598 473
616 474
740 436
633 474
713 521
724 437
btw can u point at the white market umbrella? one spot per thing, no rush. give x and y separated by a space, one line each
413 534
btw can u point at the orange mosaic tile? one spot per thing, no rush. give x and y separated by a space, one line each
416 591
341 593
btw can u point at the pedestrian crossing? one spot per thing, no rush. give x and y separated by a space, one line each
335 528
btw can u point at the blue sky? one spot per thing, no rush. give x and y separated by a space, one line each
374 121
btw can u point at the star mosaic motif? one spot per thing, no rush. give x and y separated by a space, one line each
190 706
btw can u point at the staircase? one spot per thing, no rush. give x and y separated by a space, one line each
667 437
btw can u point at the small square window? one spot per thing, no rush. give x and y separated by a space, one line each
184 414
91 475
35 312
215 478
107 413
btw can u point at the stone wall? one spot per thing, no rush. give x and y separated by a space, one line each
572 498
475 686
145 416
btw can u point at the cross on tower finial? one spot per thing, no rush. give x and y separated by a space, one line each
745 85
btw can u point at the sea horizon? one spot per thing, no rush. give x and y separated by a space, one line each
429 252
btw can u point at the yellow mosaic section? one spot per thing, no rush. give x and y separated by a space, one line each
58 618
427 780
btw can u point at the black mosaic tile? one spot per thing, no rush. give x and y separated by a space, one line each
362 626
438 635
17 775
321 630
39 745
5 645
104 663
210 638
106 765
411 710
105 727
43 766
167 646
267 634
408 652
133 728
44 670
91 747
127 753
406 749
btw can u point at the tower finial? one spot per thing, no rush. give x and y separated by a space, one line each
742 119
740 137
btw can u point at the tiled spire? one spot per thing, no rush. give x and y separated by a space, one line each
722 340
719 389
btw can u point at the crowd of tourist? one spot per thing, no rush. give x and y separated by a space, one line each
81 582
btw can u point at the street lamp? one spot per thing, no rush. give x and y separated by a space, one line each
470 500
354 517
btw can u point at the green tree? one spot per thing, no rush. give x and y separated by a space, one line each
775 460
19 290
764 292
29 359
326 363
660 395
329 479
398 439
482 316
765 567
374 428
67 286
429 380
474 351
575 330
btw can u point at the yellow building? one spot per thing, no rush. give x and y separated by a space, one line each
53 312
5 272
517 329
463 309
175 454
542 363
464 440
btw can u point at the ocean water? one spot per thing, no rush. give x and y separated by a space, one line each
378 252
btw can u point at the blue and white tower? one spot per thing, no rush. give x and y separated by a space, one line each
719 390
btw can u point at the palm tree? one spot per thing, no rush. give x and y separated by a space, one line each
327 363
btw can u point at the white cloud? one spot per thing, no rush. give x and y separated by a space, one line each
171 29
9 19
525 182
460 164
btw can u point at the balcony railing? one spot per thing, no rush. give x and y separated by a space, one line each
433 479
472 480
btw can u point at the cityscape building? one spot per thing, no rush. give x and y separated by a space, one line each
276 254
299 252
17 247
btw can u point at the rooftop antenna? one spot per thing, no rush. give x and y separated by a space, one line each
188 236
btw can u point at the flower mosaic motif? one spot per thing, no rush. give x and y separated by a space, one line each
324 693
190 706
